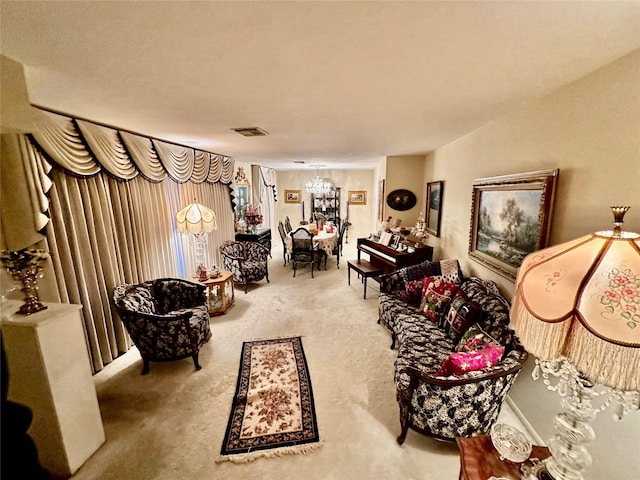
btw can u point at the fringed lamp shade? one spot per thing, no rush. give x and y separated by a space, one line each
196 218
581 300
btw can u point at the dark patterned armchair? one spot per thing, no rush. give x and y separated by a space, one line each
248 261
166 318
442 405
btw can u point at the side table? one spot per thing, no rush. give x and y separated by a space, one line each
221 293
479 460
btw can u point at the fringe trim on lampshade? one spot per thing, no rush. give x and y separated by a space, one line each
601 361
542 339
270 453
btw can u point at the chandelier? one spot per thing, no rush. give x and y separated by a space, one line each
318 185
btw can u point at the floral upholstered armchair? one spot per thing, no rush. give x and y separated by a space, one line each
166 318
248 261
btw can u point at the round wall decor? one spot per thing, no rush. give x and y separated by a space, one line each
401 199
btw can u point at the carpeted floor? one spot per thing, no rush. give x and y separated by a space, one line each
170 423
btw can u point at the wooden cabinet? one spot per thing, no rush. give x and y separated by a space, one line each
263 237
220 293
327 204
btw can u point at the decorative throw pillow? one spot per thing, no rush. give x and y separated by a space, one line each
436 295
461 315
450 271
459 363
475 339
419 271
413 292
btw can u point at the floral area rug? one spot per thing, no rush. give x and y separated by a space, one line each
273 411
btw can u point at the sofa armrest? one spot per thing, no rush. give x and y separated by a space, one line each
509 365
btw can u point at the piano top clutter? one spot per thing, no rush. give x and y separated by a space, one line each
388 259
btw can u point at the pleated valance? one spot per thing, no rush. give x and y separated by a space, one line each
84 148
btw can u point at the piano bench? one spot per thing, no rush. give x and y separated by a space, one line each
364 268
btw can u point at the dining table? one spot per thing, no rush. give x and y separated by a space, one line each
323 240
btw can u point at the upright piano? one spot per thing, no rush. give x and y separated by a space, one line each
388 259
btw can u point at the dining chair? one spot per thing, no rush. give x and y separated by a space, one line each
283 236
287 225
337 250
302 249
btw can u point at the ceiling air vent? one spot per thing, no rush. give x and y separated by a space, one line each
250 132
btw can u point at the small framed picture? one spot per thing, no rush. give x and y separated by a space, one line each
395 242
292 196
358 197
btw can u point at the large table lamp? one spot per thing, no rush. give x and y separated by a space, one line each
577 310
199 221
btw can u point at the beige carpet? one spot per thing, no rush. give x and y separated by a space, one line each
170 423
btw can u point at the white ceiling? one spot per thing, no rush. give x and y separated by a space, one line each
341 84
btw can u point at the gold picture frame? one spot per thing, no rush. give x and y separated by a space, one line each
510 218
381 200
357 197
433 207
293 196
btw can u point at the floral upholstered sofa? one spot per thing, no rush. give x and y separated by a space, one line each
166 318
457 357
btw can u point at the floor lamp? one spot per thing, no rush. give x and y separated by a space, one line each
577 310
198 221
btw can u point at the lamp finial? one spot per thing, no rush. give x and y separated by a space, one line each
618 219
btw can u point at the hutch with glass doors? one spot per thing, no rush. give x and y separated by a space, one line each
326 204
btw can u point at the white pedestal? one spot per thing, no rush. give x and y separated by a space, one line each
49 372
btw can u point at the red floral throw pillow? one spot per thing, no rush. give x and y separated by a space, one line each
459 363
413 292
436 295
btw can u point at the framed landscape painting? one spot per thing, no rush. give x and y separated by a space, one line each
292 196
510 218
434 207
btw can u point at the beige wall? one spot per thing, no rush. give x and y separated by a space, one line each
360 216
406 172
590 130
14 98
